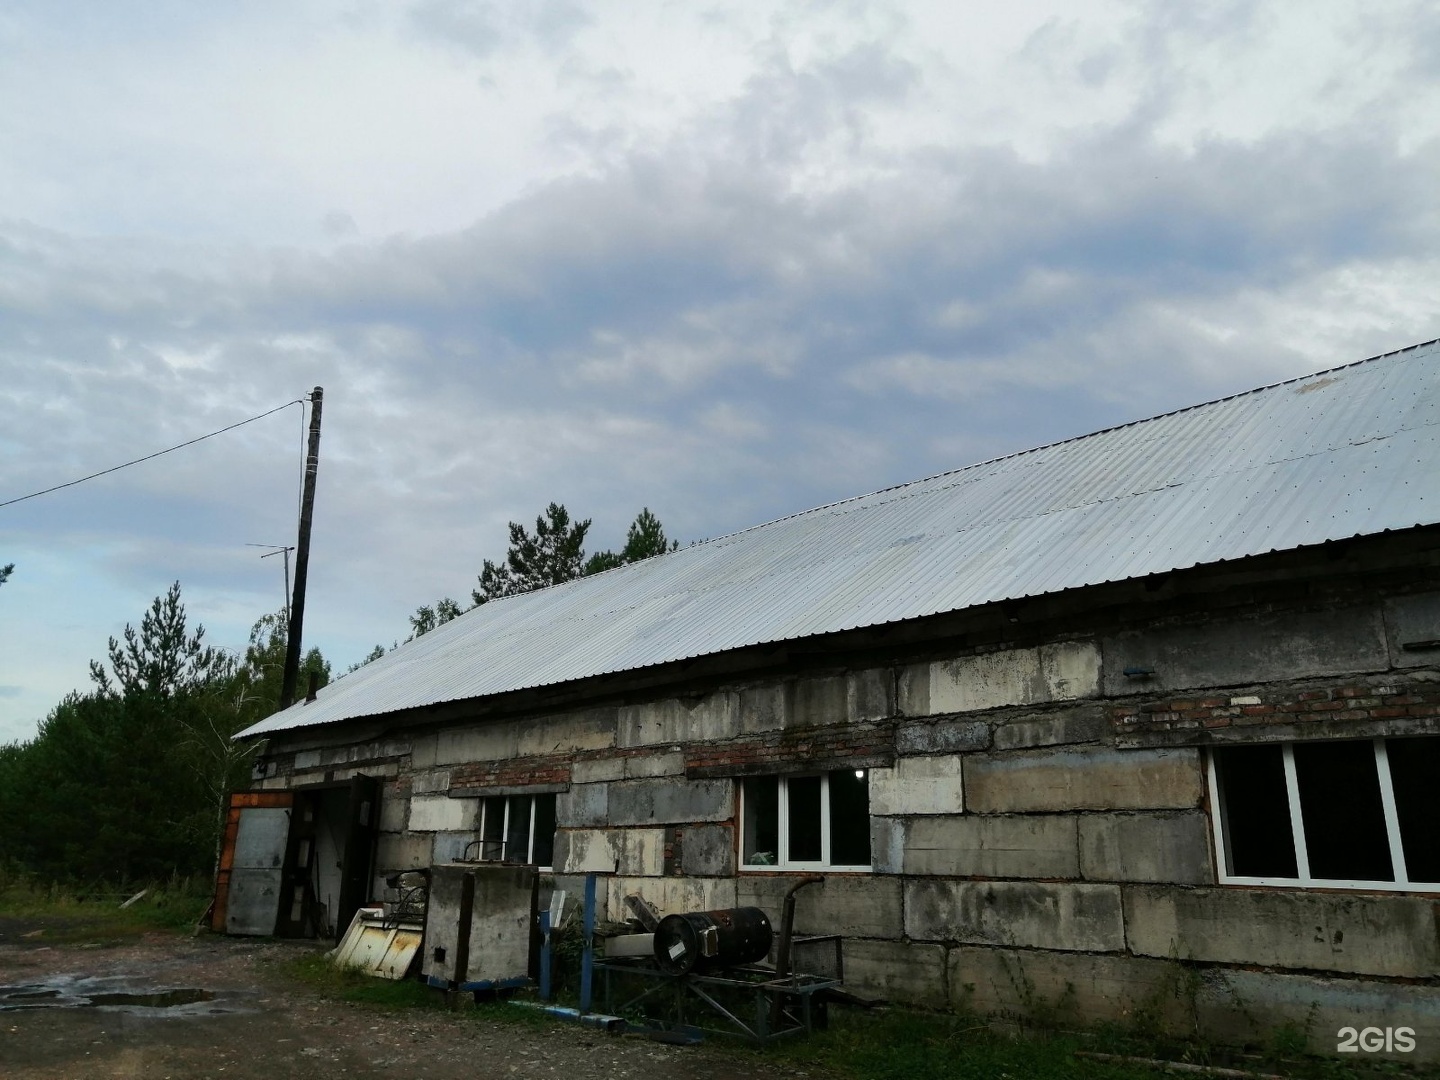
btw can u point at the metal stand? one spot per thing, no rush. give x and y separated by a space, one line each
781 1005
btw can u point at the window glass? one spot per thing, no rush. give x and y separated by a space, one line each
850 817
493 829
1345 835
761 845
517 830
1258 838
544 853
804 824
1415 774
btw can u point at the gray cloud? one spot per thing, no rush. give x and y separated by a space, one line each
771 305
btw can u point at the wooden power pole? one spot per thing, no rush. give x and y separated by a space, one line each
302 556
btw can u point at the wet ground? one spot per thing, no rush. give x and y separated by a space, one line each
173 1007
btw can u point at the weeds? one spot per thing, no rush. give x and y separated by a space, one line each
70 914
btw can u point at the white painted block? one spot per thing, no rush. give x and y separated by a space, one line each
440 813
919 785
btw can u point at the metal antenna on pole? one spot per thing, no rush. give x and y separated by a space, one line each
280 549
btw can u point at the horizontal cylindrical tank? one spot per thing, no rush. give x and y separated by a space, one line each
706 940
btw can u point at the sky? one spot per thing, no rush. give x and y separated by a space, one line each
727 261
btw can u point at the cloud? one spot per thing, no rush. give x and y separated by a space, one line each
850 249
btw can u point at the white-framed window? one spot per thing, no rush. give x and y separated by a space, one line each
1357 814
806 822
518 829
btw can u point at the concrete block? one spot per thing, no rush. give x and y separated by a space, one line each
870 695
759 709
1319 1006
1362 934
1413 620
400 851
583 804
642 852
597 770
708 851
394 812
679 720
671 895
423 750
860 905
887 844
437 813
818 701
1237 652
450 846
896 971
1068 917
1163 847
671 802
918 785
1084 779
942 737
1061 671
1018 846
1033 986
647 765
587 851
495 740
430 781
1079 725
565 733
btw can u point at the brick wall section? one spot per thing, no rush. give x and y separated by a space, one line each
866 744
1394 701
516 773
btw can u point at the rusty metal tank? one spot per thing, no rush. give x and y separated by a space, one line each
702 941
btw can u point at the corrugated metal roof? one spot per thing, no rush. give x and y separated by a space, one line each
1341 453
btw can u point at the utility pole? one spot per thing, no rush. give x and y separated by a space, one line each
302 556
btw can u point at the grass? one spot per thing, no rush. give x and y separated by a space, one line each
894 1044
315 971
68 915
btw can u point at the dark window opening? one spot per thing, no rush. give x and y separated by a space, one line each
850 817
492 835
1258 837
1415 774
1345 835
544 851
805 831
762 822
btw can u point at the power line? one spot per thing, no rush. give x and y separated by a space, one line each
158 453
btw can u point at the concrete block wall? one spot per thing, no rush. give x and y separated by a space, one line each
1040 821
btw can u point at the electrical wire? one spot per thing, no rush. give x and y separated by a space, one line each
158 453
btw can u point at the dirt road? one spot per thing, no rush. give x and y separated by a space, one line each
173 1008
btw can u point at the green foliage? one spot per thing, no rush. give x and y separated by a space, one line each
128 783
161 658
427 618
5 572
315 970
555 553
66 915
645 539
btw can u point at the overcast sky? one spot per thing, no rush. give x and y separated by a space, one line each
728 261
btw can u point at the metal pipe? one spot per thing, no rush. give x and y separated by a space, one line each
782 952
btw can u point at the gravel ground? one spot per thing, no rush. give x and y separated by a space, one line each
259 1023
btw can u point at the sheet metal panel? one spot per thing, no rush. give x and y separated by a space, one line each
1347 452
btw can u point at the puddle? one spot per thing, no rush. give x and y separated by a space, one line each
114 994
